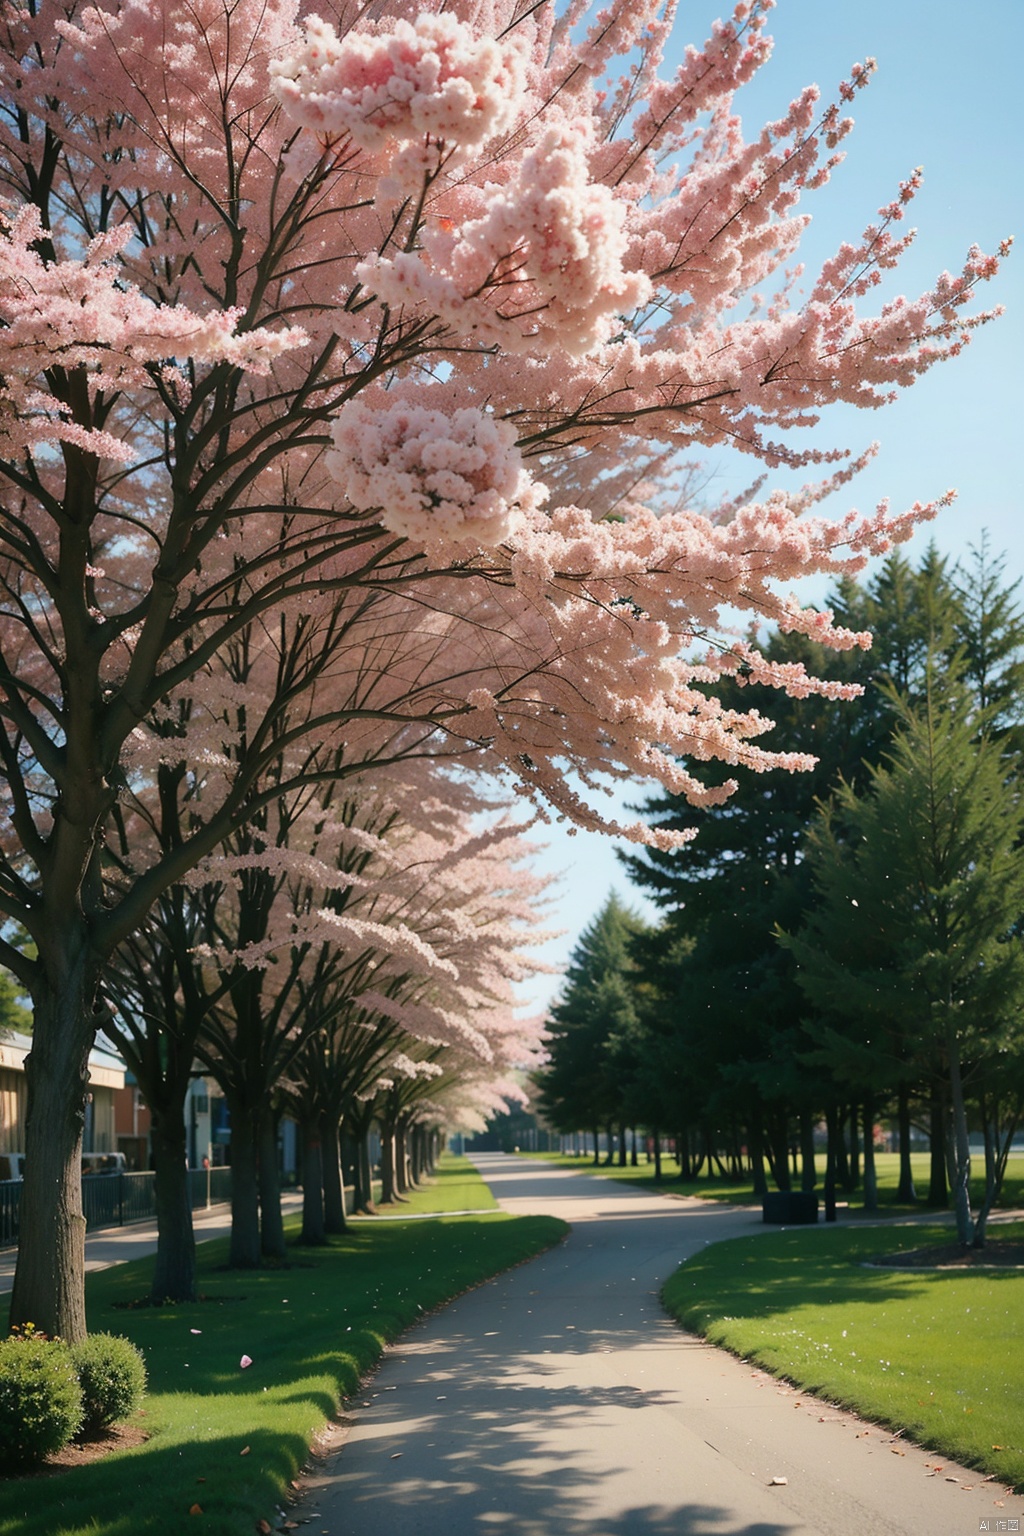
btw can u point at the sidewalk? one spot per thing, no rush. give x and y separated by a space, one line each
559 1400
117 1245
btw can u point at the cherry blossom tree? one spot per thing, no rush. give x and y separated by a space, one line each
395 323
375 1015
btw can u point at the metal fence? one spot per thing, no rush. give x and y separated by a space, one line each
114 1199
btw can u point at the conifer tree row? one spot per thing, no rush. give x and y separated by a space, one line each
819 964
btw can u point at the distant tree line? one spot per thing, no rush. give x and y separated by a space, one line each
837 946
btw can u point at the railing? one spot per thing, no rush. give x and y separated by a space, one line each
114 1199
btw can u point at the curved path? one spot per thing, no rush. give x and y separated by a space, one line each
558 1400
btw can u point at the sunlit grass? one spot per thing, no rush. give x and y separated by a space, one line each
937 1353
456 1186
229 1439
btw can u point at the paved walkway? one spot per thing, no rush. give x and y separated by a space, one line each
558 1400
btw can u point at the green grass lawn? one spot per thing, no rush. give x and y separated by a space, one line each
230 1439
937 1353
725 1189
456 1186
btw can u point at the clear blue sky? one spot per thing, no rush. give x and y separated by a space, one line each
947 96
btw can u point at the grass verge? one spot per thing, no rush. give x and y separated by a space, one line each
936 1353
227 1439
455 1187
740 1192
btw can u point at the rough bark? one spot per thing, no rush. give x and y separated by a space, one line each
363 1199
174 1277
49 1282
272 1245
244 1252
314 1233
334 1189
960 1151
401 1156
388 1189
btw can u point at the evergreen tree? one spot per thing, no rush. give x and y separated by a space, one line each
911 944
989 633
594 1028
728 992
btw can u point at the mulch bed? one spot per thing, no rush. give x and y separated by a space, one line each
998 1253
117 1437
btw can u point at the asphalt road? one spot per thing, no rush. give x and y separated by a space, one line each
558 1400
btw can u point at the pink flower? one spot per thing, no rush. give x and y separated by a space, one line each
430 77
433 477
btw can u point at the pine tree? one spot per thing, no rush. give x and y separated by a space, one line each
593 1028
912 945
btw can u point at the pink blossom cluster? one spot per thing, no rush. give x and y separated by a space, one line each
78 314
433 477
540 262
398 80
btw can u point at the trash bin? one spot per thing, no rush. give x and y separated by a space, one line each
791 1207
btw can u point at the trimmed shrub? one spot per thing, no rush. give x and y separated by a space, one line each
40 1400
112 1376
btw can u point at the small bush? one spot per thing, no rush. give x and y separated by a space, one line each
40 1400
112 1377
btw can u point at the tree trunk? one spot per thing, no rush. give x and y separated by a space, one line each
938 1188
854 1150
174 1278
906 1194
314 1233
841 1152
997 1151
870 1176
364 1202
597 1148
633 1159
683 1155
387 1165
272 1245
657 1155
417 1159
808 1171
709 1152
757 1156
49 1282
779 1150
831 1159
961 1150
244 1251
401 1160
334 1189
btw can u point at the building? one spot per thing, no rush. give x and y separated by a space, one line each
106 1080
